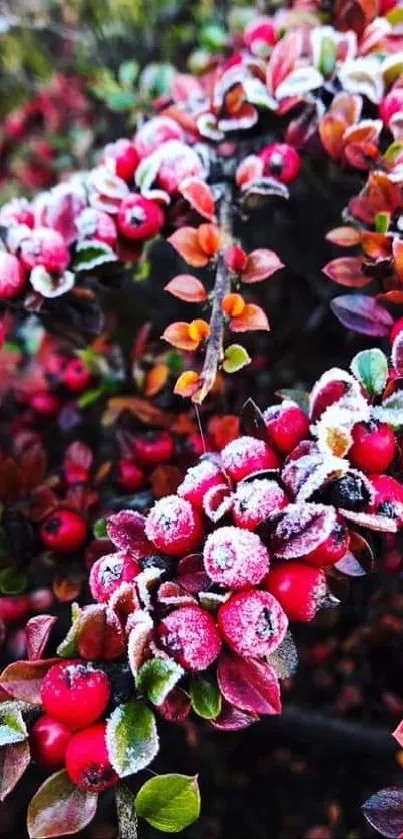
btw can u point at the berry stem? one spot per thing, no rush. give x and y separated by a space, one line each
126 812
222 287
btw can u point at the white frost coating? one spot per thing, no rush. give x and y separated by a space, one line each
131 748
217 502
302 529
391 410
50 285
144 582
372 521
196 476
310 472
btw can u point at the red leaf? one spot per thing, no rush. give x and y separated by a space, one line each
252 318
393 296
301 529
38 630
14 760
331 131
232 719
187 288
283 59
60 808
398 256
33 464
177 334
384 811
100 634
347 271
23 679
186 242
362 314
249 685
126 531
262 263
398 734
345 237
200 197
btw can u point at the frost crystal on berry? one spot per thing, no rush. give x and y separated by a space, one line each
235 558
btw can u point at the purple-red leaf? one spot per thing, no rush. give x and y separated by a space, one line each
362 314
249 685
347 270
23 679
60 808
126 531
232 719
384 811
14 760
38 630
261 264
199 196
301 529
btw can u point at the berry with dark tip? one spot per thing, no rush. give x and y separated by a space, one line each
139 218
87 760
252 623
63 531
281 161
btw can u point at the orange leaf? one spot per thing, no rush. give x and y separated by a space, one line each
345 237
331 132
177 334
187 288
347 271
252 318
376 245
187 384
142 409
199 330
261 264
394 296
209 239
156 379
200 197
186 242
398 256
233 305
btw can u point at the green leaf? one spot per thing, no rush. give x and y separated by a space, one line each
391 410
382 222
91 254
175 362
68 647
131 738
122 100
206 698
213 37
12 725
60 808
12 581
328 55
169 802
370 367
91 396
128 72
301 397
99 529
157 78
157 677
235 357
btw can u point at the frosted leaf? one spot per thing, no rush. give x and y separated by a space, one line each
107 184
311 473
302 528
126 530
362 75
370 367
91 253
217 502
141 627
124 601
15 235
68 647
173 594
334 429
207 127
157 678
336 386
51 285
397 353
212 601
285 658
131 738
12 725
372 521
145 582
391 410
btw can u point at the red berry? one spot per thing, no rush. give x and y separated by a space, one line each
374 446
287 425
63 531
75 694
388 497
130 476
109 572
298 587
76 376
281 161
48 740
152 448
13 276
124 156
246 455
14 608
326 393
87 760
199 479
235 558
189 634
253 623
235 258
256 501
95 224
139 218
45 247
332 549
397 329
46 404
174 526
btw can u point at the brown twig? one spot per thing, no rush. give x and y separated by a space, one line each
222 287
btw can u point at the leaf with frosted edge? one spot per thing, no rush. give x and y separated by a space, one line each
68 647
91 254
397 353
302 528
12 725
157 677
14 760
235 358
249 685
391 410
131 738
60 808
126 530
169 803
206 698
372 521
362 314
138 639
384 812
370 367
284 660
300 81
300 397
233 719
38 630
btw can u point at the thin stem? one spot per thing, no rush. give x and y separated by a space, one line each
222 287
126 811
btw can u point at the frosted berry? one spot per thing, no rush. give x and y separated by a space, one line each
152 448
281 161
48 740
123 157
397 329
374 446
199 480
388 497
177 162
332 549
174 526
256 501
76 376
95 224
246 455
299 588
235 558
45 247
109 572
154 133
287 425
75 694
13 276
190 635
63 531
45 403
130 476
139 218
253 623
87 760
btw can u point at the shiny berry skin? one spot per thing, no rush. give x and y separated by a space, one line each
281 161
48 740
154 448
396 330
45 403
299 588
95 224
235 558
287 425
87 760
246 455
256 501
174 526
45 247
76 376
75 693
13 276
332 549
252 623
190 635
109 572
130 476
124 156
199 480
388 497
63 531
374 447
139 218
